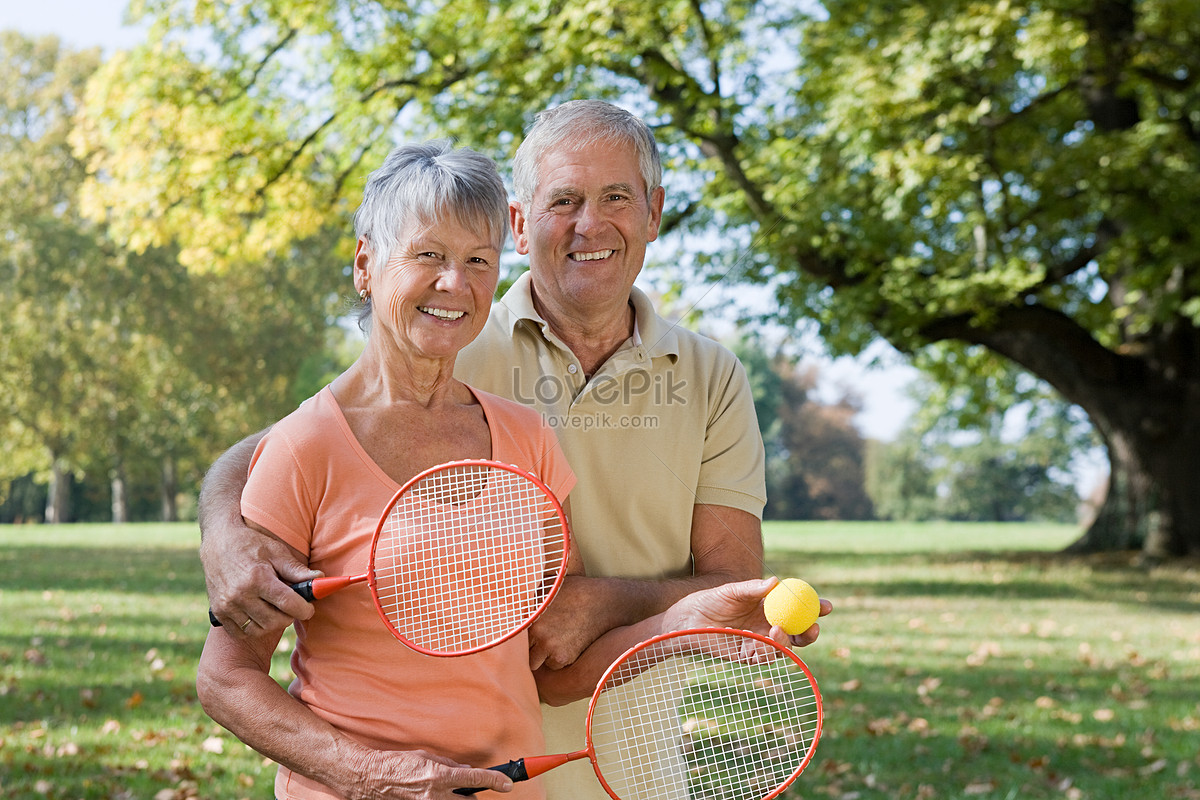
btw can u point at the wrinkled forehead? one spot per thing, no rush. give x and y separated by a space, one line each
597 163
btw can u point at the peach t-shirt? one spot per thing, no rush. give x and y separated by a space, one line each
313 485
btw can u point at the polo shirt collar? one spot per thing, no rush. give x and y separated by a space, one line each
659 337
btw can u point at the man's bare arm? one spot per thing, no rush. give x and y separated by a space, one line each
248 573
729 605
726 546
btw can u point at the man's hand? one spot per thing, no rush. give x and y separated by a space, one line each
249 575
736 605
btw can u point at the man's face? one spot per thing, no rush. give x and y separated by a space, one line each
587 227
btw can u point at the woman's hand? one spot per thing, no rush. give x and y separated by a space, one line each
420 775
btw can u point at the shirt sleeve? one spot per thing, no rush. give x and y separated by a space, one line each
733 470
276 494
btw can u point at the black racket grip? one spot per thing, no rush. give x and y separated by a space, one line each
513 769
304 589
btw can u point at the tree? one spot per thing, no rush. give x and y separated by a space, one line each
1014 180
115 362
815 455
1012 467
47 328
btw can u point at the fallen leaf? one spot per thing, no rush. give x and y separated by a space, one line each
1150 769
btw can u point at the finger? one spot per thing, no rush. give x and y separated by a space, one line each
750 590
826 607
292 571
807 637
483 779
251 620
537 657
282 599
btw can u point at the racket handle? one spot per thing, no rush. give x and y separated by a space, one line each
311 590
304 589
525 768
317 588
513 769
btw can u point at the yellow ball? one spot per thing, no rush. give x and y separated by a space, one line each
792 605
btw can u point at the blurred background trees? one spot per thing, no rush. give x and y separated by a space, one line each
1004 192
125 374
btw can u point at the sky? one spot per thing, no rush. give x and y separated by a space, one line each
80 23
88 23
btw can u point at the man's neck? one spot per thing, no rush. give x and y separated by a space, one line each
592 337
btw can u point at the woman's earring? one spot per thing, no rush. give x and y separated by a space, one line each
362 295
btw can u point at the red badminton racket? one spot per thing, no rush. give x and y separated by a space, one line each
706 713
465 556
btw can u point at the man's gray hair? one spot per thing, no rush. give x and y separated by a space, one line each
425 183
579 124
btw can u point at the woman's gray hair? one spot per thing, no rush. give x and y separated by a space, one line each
425 183
579 124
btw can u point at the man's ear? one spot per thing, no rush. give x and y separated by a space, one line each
516 218
657 199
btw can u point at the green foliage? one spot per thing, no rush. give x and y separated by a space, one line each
1013 466
928 161
814 453
121 362
1018 176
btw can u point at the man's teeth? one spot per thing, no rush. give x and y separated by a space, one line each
592 256
442 313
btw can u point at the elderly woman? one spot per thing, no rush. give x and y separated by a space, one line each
366 717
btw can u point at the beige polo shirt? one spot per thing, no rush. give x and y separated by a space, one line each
666 423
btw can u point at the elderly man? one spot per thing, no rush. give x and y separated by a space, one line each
657 422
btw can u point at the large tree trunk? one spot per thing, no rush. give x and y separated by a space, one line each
1151 503
1144 402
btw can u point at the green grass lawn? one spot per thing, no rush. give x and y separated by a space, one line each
961 661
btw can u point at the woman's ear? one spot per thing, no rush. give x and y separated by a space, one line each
362 268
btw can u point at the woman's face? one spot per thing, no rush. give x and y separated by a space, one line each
432 297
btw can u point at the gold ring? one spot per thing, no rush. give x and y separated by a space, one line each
246 624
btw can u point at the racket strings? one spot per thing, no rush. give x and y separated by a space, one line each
705 726
466 556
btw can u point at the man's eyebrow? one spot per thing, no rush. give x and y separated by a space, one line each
563 191
572 191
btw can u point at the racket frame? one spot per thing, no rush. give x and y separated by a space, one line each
785 652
